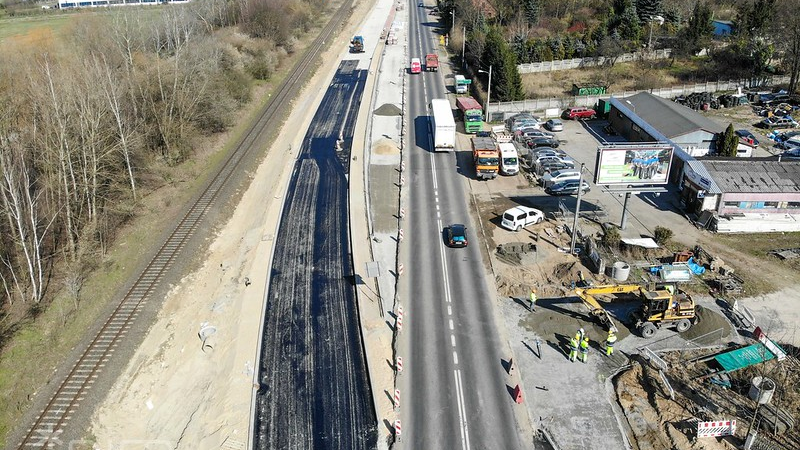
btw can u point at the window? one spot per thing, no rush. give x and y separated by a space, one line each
770 204
731 204
793 205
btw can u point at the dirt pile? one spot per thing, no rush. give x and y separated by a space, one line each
388 109
653 420
709 327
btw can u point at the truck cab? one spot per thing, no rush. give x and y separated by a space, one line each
416 65
431 62
461 84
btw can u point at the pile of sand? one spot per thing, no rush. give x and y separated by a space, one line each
387 109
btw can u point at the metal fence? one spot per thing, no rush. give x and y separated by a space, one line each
576 63
497 111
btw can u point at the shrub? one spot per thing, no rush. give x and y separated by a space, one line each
662 235
611 237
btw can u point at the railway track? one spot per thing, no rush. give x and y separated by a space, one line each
46 430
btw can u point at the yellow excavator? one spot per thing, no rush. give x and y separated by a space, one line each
665 305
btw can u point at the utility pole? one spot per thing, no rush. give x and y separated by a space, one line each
577 212
463 46
489 94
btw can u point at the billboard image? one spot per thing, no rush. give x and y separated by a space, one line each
633 164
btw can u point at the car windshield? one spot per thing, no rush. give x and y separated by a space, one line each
510 161
508 217
488 161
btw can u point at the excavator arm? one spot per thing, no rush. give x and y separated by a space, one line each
587 297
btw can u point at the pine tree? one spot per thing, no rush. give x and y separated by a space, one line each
647 9
532 10
506 80
727 142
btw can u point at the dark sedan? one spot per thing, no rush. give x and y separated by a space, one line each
457 235
569 187
747 136
542 141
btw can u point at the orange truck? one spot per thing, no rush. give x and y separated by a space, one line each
486 157
431 62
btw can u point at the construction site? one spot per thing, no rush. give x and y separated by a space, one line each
693 367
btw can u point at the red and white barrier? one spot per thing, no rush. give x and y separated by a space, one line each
397 429
402 181
714 429
400 270
396 399
403 166
400 235
399 365
398 323
402 212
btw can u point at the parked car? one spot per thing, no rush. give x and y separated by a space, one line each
559 176
546 151
520 217
580 112
552 166
772 123
528 124
457 235
789 144
528 131
792 154
554 125
550 156
569 187
541 141
747 136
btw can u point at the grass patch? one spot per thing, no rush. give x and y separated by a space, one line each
759 245
35 30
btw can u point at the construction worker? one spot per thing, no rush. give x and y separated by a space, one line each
610 340
532 300
573 349
584 348
579 335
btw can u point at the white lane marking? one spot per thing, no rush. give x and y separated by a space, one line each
455 357
451 324
449 310
452 340
462 411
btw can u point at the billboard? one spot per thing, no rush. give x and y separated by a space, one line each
633 164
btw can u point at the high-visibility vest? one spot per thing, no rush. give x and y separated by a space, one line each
584 344
610 340
573 344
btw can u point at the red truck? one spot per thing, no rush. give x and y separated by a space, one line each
580 113
431 62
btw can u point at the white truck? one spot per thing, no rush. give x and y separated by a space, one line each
500 134
509 159
443 125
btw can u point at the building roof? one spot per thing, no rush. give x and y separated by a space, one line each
670 118
743 176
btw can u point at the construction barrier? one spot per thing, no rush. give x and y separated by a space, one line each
517 394
402 212
400 270
399 365
400 235
396 399
714 429
397 429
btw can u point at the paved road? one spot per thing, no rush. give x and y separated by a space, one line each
314 387
455 383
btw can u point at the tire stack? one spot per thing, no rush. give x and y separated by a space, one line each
698 101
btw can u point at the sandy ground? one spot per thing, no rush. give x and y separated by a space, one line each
186 396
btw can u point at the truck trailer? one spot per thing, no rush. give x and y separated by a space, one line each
472 113
443 126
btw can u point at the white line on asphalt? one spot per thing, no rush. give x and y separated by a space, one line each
451 323
455 358
452 340
462 411
449 310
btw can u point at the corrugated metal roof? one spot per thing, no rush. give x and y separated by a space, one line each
700 169
741 175
670 118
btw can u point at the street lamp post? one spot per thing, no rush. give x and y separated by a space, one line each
577 212
488 91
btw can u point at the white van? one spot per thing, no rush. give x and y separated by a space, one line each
558 176
461 84
519 217
509 159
